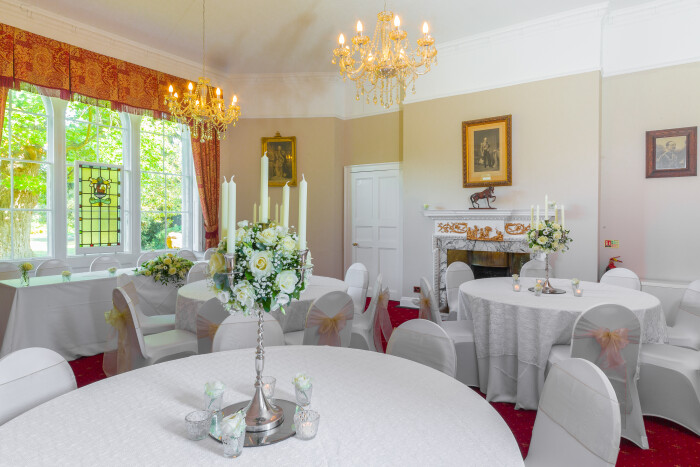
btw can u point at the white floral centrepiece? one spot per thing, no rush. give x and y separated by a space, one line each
267 270
548 237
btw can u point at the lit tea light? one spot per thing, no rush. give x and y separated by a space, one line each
578 292
516 287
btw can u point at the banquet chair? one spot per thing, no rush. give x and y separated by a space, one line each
157 347
198 272
241 332
609 336
362 336
424 342
29 377
329 320
578 418
457 274
52 267
9 271
209 252
209 317
686 331
102 263
187 254
622 277
357 281
535 268
146 257
149 324
462 334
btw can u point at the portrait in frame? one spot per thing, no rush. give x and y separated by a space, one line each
486 152
282 155
672 153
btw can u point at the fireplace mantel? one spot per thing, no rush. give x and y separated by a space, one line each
474 229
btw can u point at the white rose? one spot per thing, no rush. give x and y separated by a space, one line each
542 240
540 226
286 281
557 235
546 231
281 231
261 263
288 244
556 226
302 381
244 294
241 235
243 224
224 296
282 299
268 237
555 245
214 388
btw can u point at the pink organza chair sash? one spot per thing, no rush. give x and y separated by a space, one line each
424 311
329 328
382 322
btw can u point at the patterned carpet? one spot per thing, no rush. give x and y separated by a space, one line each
670 444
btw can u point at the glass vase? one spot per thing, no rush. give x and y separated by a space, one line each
233 445
303 395
24 280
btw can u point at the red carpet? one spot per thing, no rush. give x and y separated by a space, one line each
670 444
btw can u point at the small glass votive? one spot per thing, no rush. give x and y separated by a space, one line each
516 286
268 386
538 291
233 445
197 424
578 292
303 395
306 423
112 271
540 282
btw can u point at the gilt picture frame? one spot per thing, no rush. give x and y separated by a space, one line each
672 153
486 152
282 155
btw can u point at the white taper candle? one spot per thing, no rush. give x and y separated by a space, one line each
264 199
302 213
255 213
285 205
224 209
563 223
231 230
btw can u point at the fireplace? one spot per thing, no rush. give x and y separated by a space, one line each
489 263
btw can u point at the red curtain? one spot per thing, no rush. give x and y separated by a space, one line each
206 166
7 51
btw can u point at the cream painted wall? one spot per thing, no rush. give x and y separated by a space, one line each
555 141
317 157
372 140
656 220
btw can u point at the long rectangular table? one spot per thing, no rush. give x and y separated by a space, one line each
67 317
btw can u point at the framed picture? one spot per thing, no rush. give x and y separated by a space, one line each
672 153
486 158
282 155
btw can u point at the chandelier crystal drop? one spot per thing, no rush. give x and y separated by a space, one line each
201 108
384 67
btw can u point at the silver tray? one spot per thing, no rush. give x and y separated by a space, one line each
263 438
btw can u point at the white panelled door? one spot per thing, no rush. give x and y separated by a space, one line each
373 222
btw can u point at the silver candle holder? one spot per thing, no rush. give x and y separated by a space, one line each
230 260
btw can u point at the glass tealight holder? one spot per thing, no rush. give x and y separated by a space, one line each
197 424
233 445
268 386
306 423
516 285
303 395
538 291
213 404
540 282
578 292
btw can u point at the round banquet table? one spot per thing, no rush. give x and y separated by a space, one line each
375 409
515 331
192 296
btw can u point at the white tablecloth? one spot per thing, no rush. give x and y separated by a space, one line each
67 317
375 409
192 296
514 331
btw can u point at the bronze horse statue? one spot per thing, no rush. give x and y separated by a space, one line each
487 194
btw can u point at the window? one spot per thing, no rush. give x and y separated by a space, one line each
25 168
93 134
166 183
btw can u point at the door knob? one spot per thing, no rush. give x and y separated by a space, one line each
354 244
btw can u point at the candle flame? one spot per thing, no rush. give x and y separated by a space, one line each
425 27
341 39
190 87
397 21
170 89
218 92
359 27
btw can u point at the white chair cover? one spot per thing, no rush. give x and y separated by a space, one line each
578 418
187 254
428 308
686 331
608 335
29 377
102 263
535 268
52 267
357 280
382 322
329 320
209 252
9 271
198 272
241 332
457 274
424 342
209 318
363 328
145 257
622 277
154 298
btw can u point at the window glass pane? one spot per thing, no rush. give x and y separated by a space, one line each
5 184
174 193
111 148
81 142
151 152
70 234
152 231
5 234
152 192
27 102
28 136
173 154
79 111
30 233
151 125
109 117
29 185
4 137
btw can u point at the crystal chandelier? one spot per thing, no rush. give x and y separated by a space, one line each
201 108
386 66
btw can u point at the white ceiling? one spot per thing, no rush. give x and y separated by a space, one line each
277 36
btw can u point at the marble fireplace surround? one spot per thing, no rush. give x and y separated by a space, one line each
476 230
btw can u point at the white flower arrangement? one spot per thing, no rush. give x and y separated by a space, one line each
516 277
66 273
302 381
267 270
575 282
233 425
166 268
548 237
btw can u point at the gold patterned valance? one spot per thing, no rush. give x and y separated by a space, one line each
42 62
93 76
7 50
